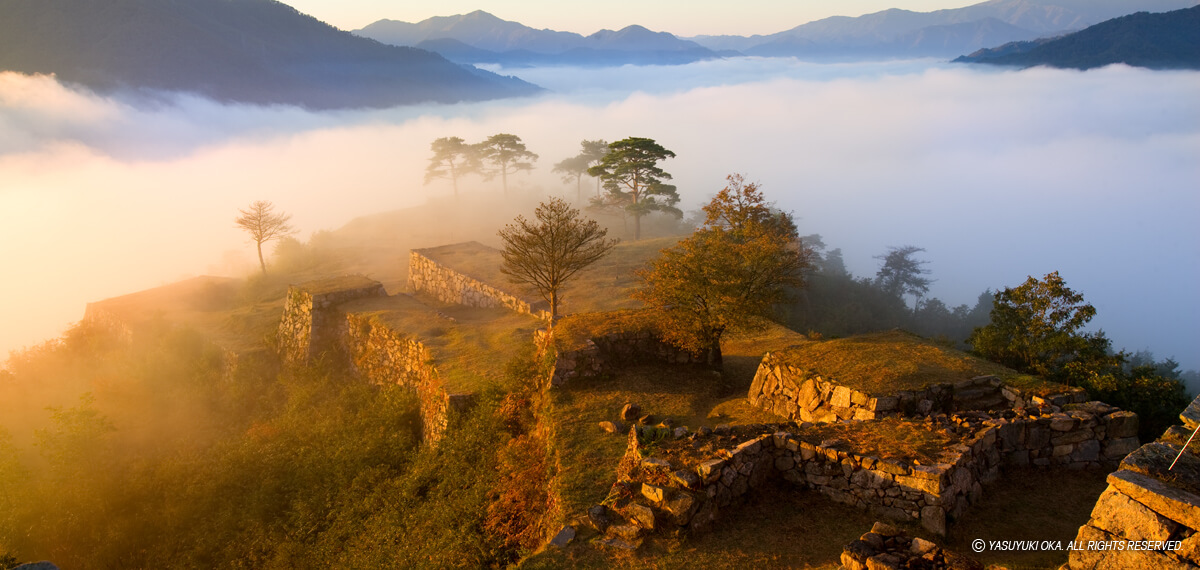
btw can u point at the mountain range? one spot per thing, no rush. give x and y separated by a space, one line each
256 51
480 37
1168 40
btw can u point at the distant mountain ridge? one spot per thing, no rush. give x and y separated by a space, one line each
945 33
480 37
255 51
1168 40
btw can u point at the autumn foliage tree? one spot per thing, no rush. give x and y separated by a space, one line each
634 181
547 252
728 275
264 225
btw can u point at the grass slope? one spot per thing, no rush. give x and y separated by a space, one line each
886 362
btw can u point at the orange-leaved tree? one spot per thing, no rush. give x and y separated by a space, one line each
728 275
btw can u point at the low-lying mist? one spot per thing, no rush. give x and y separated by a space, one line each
997 174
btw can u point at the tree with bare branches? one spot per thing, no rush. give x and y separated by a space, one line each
547 252
264 225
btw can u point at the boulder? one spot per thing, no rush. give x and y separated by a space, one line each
653 492
598 516
1116 513
641 515
1169 501
631 412
563 537
611 427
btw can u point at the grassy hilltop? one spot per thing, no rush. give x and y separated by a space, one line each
181 456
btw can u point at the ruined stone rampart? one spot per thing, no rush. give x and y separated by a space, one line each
448 285
604 353
1149 516
315 320
385 356
311 320
804 396
934 494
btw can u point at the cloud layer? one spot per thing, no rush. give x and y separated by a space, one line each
998 174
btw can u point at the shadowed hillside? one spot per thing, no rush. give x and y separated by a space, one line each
1157 41
255 51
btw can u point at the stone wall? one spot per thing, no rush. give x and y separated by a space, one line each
602 354
311 321
450 286
931 494
384 356
1149 516
799 395
1084 436
314 321
1076 436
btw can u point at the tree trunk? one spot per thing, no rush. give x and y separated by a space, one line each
261 263
504 179
714 359
637 227
553 306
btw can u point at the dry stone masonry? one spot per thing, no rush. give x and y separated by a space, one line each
603 353
315 320
311 320
805 396
885 546
450 285
691 494
1149 516
386 356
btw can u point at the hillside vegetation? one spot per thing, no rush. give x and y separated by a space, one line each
253 51
159 450
1169 40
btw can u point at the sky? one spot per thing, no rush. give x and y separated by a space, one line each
679 17
999 175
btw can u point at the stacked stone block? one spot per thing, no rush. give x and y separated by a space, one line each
804 396
427 275
385 356
311 321
933 495
1149 516
602 354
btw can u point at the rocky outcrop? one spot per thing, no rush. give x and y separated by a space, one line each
1149 516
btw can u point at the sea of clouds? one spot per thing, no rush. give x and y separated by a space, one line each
998 174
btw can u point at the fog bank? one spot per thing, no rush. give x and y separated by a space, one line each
998 174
